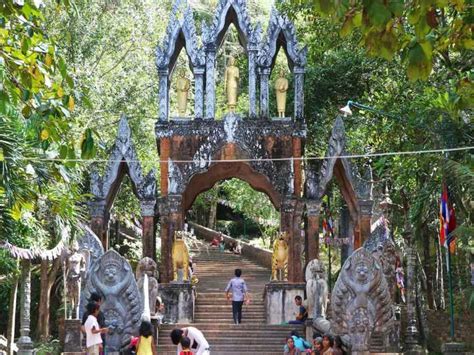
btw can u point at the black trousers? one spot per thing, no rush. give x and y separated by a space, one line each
237 311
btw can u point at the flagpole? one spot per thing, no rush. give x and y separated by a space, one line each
329 266
450 285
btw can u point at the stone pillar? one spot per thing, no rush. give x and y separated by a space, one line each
297 244
165 149
313 209
163 100
72 336
299 92
179 302
280 301
199 92
297 168
25 345
98 221
264 93
412 345
148 228
171 221
365 207
252 57
346 232
210 82
289 223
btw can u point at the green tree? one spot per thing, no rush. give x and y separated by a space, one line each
38 194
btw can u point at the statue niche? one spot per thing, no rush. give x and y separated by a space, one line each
180 256
280 258
360 301
281 87
112 277
231 83
147 266
182 88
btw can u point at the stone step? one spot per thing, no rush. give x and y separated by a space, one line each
225 315
207 326
225 349
213 313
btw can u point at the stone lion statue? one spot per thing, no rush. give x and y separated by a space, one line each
280 258
180 256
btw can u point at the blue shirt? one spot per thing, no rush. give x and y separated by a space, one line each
238 288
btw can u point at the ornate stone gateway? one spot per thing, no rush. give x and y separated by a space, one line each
260 147
199 151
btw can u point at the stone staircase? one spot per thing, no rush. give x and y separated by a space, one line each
213 314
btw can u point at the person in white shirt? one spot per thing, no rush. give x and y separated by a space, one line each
93 331
199 344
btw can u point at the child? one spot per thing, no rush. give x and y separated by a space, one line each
93 331
400 276
146 345
185 344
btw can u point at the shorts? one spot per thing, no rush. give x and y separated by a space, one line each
94 349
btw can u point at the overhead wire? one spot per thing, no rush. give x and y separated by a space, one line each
303 158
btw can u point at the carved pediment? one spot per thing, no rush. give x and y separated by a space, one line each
281 32
317 183
181 23
122 153
226 12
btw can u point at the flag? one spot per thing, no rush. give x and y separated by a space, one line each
447 221
451 239
330 226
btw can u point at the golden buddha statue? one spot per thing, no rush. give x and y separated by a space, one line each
182 88
281 87
231 83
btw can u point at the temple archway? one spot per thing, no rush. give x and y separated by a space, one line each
223 171
356 190
123 160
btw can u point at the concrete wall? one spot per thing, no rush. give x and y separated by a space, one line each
179 302
280 304
260 256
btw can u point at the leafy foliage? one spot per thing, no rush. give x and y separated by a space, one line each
424 31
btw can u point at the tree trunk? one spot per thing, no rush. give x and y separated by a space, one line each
427 267
12 315
212 214
439 257
46 282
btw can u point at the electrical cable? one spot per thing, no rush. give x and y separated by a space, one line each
346 156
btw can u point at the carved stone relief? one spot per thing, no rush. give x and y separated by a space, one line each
112 277
384 250
91 246
317 181
360 301
247 135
